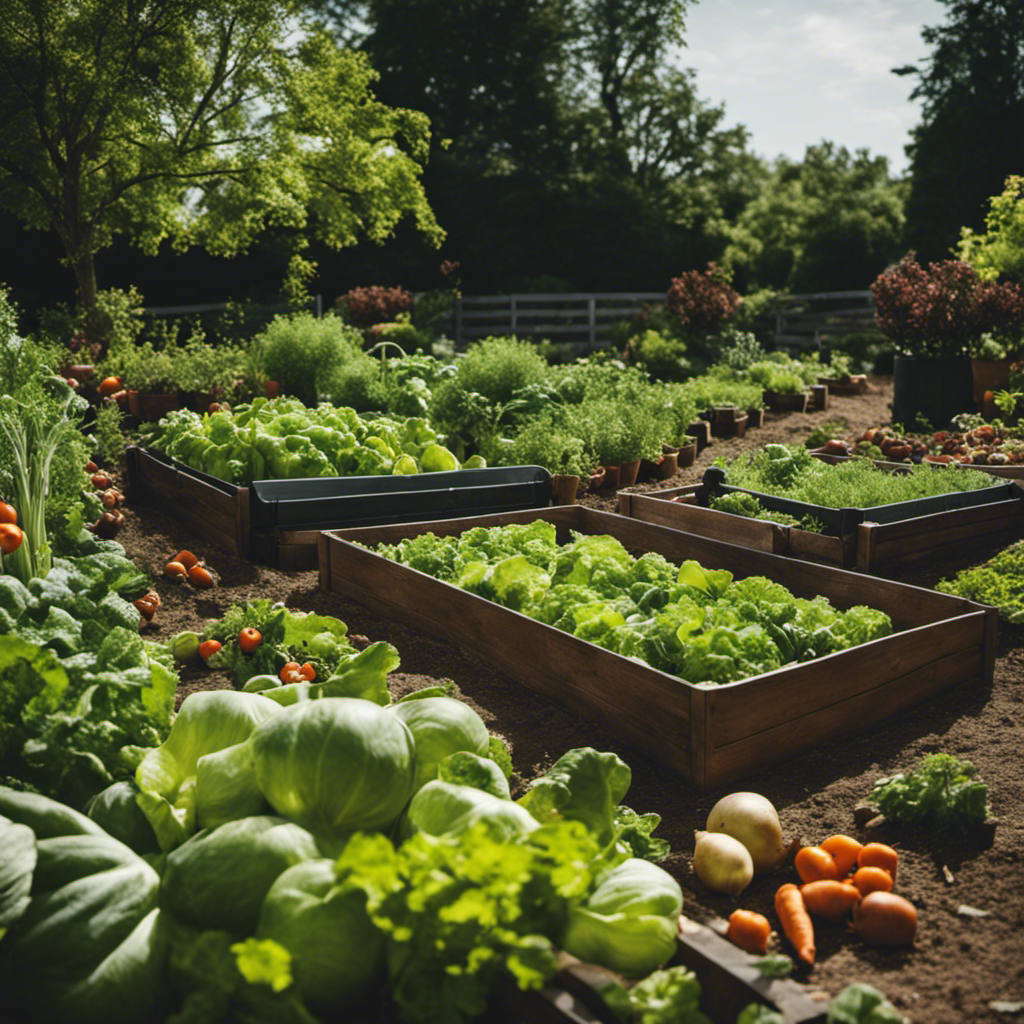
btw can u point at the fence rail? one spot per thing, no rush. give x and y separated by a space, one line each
810 320
582 319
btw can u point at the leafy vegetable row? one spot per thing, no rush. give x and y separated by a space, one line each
283 439
998 582
696 623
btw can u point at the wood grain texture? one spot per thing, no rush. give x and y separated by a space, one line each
710 735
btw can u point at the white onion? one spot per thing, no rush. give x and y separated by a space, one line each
751 818
721 862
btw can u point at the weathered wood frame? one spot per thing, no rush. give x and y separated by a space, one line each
711 735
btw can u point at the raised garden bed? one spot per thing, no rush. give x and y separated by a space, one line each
729 981
861 538
711 735
856 384
277 522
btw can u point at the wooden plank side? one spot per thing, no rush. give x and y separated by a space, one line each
649 709
880 543
753 533
730 763
822 548
789 694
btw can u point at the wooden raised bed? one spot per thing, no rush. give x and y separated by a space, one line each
278 522
711 735
729 981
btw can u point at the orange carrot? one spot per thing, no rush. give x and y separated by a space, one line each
796 922
872 879
813 863
749 930
844 850
878 855
830 899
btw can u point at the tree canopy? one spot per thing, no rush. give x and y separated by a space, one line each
971 135
202 121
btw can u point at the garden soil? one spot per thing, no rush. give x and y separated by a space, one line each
967 963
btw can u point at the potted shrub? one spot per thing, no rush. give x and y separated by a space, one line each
549 442
208 373
784 388
934 315
150 376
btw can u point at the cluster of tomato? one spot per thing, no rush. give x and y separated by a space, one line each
112 518
249 639
981 446
11 535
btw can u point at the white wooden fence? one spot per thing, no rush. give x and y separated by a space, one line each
581 319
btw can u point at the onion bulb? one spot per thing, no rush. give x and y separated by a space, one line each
721 862
751 818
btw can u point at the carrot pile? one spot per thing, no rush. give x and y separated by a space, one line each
842 881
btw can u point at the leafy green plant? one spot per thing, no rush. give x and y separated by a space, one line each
546 440
998 582
940 794
826 432
662 357
499 367
792 472
143 367
108 432
296 349
776 378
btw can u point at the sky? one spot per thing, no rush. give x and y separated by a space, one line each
795 72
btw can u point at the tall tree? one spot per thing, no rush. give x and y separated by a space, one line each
204 121
971 135
832 221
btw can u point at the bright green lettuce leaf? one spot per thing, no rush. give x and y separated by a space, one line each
17 863
465 768
32 683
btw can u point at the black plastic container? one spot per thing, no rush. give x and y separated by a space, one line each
325 502
842 521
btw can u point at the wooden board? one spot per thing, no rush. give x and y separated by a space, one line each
872 545
711 735
728 976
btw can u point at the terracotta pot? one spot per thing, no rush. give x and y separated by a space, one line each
611 477
669 464
151 406
819 396
270 388
786 403
687 454
989 375
701 430
628 472
78 371
596 478
755 418
563 488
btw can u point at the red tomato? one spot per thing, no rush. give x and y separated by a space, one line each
249 639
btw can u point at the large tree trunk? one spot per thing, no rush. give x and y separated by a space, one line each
95 323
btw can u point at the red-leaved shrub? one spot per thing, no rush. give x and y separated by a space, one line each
364 307
702 300
942 308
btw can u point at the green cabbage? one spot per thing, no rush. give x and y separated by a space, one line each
440 726
447 809
630 922
335 765
337 953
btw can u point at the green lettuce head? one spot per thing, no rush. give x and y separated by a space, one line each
449 809
337 952
335 765
208 721
629 924
440 726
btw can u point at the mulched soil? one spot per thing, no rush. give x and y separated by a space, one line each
969 952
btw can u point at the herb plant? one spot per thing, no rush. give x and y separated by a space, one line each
998 582
941 794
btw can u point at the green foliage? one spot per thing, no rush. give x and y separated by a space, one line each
296 350
794 473
862 1004
547 440
108 432
831 221
998 252
969 139
156 98
663 358
686 620
998 582
837 428
940 794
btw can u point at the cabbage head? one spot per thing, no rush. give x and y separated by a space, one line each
337 952
208 721
335 765
630 921
440 726
448 809
219 877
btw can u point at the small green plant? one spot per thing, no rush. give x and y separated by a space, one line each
296 349
826 432
499 367
547 441
941 794
662 357
772 376
108 432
